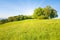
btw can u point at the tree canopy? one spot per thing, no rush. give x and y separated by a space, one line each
45 13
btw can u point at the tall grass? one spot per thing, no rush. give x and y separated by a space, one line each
31 30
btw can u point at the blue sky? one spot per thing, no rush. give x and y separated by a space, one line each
25 7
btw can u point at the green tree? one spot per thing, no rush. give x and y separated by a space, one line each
16 18
38 12
10 19
3 21
45 13
50 12
53 13
21 17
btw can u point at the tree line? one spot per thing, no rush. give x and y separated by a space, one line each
39 13
15 18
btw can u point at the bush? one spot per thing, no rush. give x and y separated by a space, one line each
10 19
3 21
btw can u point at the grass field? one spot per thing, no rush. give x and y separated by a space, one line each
31 30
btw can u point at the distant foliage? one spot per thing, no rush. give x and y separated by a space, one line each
3 21
15 18
10 19
47 12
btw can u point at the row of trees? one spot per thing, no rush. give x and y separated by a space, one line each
15 18
39 13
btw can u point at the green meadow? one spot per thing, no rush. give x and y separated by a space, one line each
33 29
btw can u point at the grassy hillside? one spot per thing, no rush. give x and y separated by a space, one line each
31 30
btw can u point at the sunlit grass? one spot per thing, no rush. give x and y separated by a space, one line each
31 30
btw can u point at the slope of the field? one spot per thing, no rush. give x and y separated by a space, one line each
31 30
